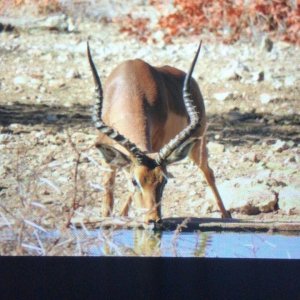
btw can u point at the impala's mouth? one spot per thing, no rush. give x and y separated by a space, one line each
152 221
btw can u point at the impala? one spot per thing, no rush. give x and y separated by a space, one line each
150 118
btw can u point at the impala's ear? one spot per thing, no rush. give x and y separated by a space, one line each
113 156
181 152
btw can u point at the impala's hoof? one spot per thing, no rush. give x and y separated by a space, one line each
226 215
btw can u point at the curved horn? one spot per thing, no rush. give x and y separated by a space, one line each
101 126
182 136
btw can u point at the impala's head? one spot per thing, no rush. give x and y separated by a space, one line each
148 179
148 174
148 185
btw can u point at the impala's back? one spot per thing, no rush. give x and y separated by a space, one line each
145 103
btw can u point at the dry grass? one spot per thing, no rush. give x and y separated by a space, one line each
43 195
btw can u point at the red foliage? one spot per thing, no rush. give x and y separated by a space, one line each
43 6
227 19
136 27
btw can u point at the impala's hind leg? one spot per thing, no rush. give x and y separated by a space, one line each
200 156
108 199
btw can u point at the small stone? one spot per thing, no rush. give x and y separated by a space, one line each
291 159
223 96
47 57
263 175
42 89
6 138
62 58
277 84
55 22
56 83
214 147
158 36
21 80
73 74
290 144
71 25
251 156
16 128
35 83
289 81
258 76
266 98
267 44
280 146
233 71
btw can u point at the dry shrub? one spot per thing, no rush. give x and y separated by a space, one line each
229 20
43 6
135 27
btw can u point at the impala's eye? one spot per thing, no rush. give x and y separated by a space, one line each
134 182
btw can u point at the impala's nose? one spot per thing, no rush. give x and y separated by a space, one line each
157 221
152 218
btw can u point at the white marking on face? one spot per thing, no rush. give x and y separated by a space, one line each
138 184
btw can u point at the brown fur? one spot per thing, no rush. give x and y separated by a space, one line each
145 104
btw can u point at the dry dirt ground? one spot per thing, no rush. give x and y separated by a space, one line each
47 158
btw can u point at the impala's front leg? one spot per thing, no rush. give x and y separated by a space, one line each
125 208
108 200
200 156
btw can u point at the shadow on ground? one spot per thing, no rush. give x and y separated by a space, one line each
234 128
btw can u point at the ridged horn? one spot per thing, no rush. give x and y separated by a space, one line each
182 136
107 130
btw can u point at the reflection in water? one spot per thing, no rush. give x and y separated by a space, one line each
125 242
147 243
197 244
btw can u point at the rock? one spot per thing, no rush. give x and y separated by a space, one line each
223 96
266 98
246 196
229 74
257 76
59 22
263 175
251 156
289 199
289 81
56 83
233 71
280 146
21 80
72 27
267 44
55 22
42 89
73 74
15 127
62 58
6 138
158 36
277 84
214 147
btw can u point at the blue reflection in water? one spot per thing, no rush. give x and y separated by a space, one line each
254 245
125 242
187 244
